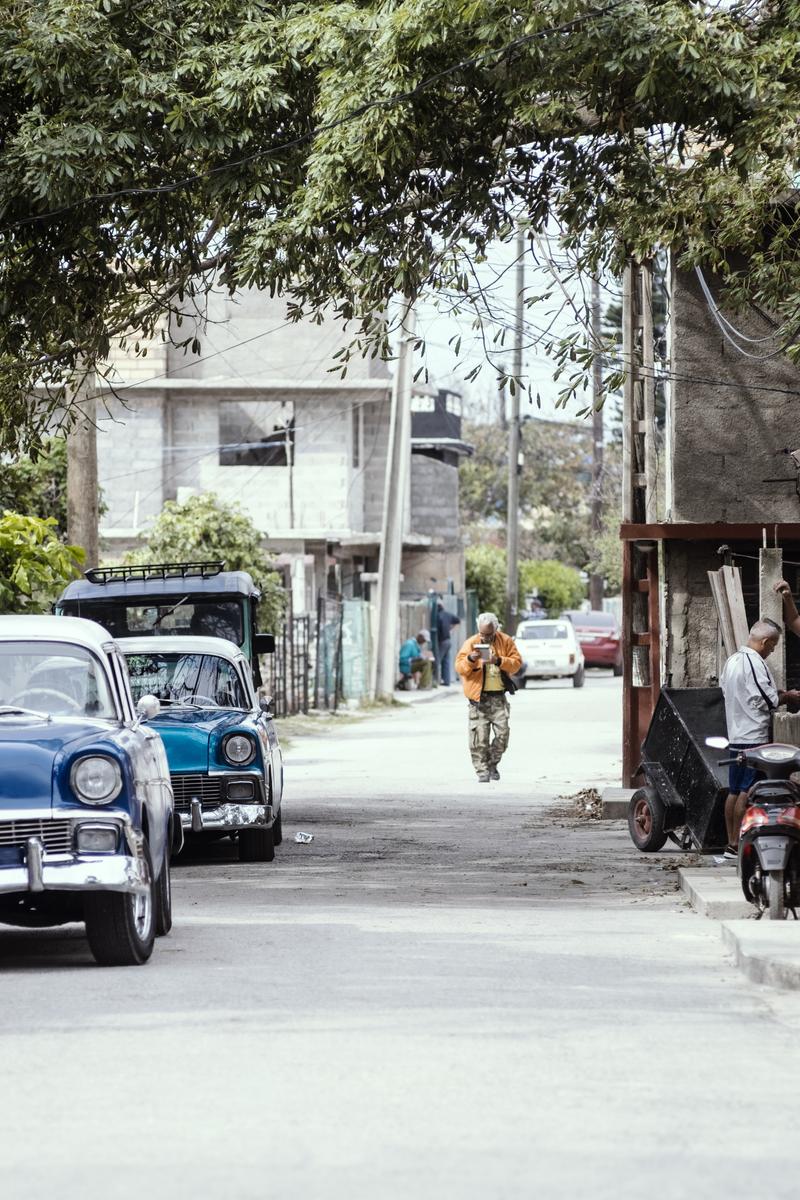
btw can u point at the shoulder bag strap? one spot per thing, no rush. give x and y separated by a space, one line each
764 695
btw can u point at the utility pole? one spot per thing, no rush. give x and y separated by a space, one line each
394 496
641 619
596 581
82 493
512 519
502 415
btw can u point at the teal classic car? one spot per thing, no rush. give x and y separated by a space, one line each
224 757
86 816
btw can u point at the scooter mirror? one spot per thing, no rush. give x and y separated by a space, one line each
717 743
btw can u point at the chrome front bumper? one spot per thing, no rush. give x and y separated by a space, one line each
78 871
228 816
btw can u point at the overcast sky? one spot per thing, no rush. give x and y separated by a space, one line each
564 308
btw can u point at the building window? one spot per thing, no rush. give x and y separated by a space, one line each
423 404
256 433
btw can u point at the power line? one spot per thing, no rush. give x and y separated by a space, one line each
722 321
193 362
301 139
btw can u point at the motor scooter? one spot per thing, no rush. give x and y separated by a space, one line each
769 838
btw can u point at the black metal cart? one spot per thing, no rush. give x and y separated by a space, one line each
683 797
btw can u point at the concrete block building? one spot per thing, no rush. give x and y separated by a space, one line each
731 485
257 416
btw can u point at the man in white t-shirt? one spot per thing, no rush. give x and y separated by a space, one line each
750 699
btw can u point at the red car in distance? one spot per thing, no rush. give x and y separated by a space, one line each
599 637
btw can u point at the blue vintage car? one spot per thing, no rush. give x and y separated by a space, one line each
86 811
224 757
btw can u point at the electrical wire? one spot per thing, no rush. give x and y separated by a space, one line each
722 322
715 307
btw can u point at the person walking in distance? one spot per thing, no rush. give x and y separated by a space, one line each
485 662
444 623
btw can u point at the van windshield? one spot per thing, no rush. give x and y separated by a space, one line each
132 618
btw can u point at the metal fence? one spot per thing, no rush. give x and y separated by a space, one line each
343 651
325 660
287 672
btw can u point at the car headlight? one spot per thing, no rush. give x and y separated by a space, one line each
96 779
239 749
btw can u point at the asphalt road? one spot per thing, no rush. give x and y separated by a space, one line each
456 990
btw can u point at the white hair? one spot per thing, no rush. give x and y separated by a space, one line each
765 627
488 618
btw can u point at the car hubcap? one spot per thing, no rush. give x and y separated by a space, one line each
143 915
143 909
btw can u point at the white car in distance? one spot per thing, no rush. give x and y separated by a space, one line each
550 650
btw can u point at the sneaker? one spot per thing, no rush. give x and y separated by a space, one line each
730 854
494 773
483 777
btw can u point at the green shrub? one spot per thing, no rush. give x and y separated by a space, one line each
486 575
34 564
559 586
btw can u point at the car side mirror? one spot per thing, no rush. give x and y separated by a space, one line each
264 643
265 703
148 708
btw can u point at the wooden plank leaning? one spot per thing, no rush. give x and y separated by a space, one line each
718 591
733 587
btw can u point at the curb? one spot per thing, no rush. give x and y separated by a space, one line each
430 694
714 892
614 803
767 952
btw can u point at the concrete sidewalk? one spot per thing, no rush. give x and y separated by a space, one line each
765 951
425 695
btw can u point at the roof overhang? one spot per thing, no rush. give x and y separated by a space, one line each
696 531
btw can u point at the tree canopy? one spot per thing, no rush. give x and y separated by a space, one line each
208 528
558 586
345 150
554 487
38 488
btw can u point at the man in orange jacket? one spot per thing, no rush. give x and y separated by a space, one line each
482 677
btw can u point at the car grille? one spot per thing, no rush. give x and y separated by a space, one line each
55 836
206 788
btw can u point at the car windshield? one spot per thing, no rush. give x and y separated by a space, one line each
543 631
594 620
178 615
204 680
53 678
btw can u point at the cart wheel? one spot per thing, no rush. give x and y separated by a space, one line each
646 818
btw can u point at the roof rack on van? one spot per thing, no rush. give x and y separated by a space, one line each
145 571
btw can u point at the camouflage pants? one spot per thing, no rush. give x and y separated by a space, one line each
489 715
